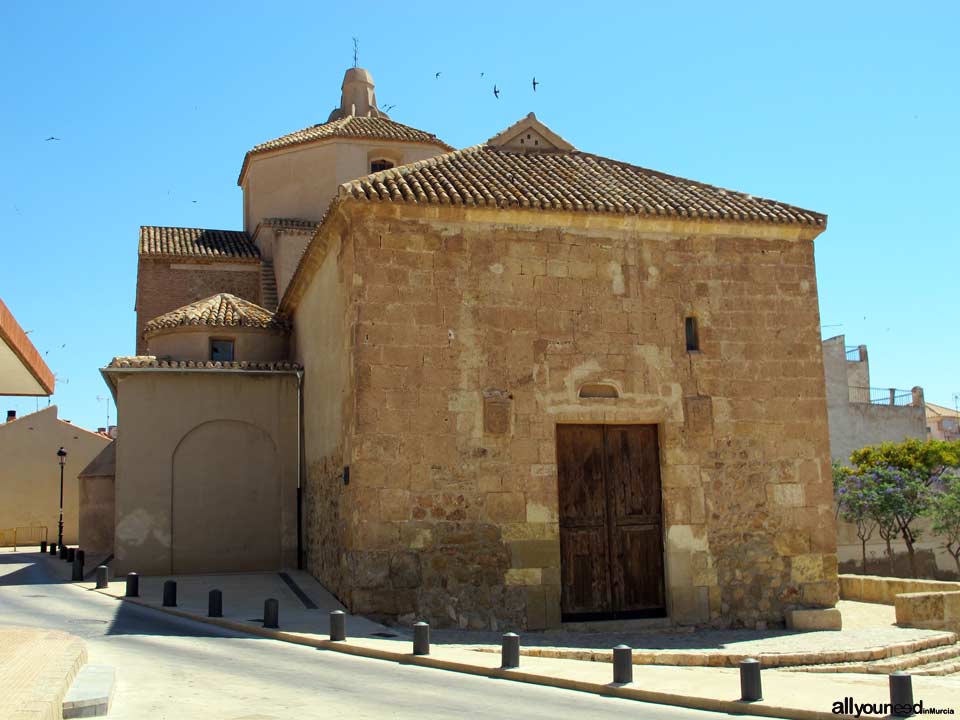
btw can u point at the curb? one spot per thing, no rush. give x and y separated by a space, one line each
736 707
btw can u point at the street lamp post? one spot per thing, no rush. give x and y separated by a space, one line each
62 457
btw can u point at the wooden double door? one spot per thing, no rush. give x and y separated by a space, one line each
611 527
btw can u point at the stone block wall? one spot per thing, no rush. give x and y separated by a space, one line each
164 284
471 334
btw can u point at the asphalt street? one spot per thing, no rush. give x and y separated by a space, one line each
170 668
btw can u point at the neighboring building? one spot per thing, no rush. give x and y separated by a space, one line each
30 471
22 370
861 415
97 502
531 384
942 422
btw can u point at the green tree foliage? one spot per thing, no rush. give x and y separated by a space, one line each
893 485
945 513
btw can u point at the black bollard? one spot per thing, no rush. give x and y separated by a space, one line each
133 585
53 548
63 552
901 694
71 554
623 664
77 575
43 546
215 604
103 577
750 688
421 638
510 651
338 625
271 613
170 593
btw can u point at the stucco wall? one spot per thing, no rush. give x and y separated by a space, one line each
165 285
97 514
322 342
30 473
193 343
460 526
299 182
206 432
857 425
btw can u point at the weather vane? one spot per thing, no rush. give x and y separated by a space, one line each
356 51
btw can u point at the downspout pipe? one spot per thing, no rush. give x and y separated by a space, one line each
301 455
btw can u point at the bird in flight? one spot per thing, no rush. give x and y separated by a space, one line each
535 83
481 74
51 138
496 92
437 76
388 108
193 201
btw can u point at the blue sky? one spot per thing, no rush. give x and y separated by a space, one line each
847 108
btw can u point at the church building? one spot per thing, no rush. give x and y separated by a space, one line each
501 387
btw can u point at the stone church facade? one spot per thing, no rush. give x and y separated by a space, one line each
537 385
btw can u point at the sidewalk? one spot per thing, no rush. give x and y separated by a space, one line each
786 694
36 670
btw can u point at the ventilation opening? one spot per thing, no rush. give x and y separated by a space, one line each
599 390
380 165
693 336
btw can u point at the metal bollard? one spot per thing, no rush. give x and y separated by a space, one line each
421 638
103 576
750 688
53 548
901 694
43 546
71 554
215 604
338 625
133 585
77 575
510 651
271 613
63 552
170 593
623 664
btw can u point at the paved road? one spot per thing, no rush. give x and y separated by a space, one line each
169 668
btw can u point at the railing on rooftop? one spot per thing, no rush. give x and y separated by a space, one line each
853 353
881 396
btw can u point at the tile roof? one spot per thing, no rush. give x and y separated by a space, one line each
486 176
291 224
352 126
939 410
199 243
151 361
222 310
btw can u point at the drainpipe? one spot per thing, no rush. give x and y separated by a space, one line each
300 469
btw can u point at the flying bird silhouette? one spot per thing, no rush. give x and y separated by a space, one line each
194 202
496 92
437 76
51 138
481 74
535 83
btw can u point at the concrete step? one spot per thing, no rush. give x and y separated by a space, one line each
916 663
944 667
91 693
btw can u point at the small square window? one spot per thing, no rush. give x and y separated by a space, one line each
380 165
693 337
221 350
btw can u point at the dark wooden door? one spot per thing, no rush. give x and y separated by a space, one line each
610 521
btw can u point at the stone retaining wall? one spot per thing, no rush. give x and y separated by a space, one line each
933 610
883 590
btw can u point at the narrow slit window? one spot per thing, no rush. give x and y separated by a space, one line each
221 350
693 336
